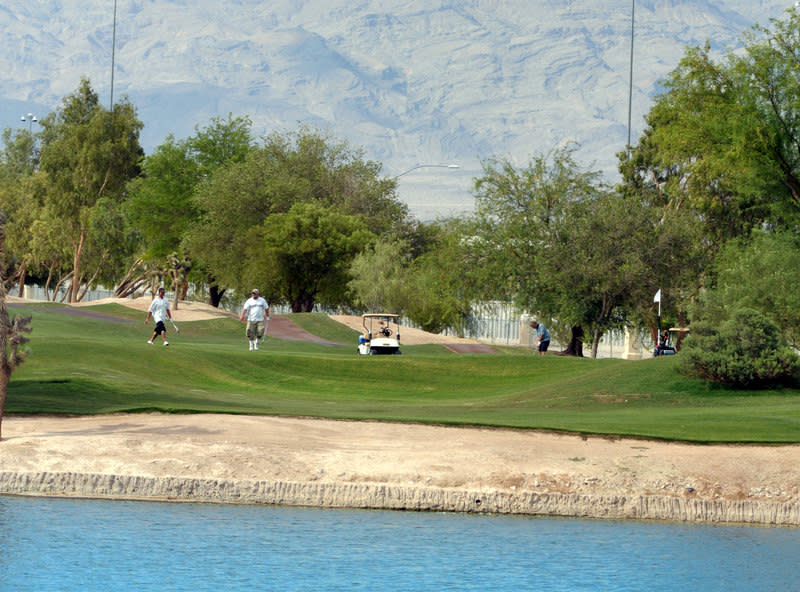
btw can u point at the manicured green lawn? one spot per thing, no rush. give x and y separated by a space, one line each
84 365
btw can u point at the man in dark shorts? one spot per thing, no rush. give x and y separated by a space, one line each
159 310
542 336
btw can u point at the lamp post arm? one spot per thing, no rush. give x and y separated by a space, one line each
422 166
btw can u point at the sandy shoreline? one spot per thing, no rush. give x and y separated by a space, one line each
298 461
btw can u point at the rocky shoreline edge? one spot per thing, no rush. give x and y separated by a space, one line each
397 497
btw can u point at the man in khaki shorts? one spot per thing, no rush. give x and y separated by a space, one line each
256 309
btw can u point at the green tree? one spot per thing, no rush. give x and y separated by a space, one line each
441 285
18 199
302 167
744 351
304 256
721 140
49 251
88 154
597 265
219 143
761 272
587 260
518 211
520 214
379 275
20 155
161 202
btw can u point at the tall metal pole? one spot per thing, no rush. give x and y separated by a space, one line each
630 80
113 54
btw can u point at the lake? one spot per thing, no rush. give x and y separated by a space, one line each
86 545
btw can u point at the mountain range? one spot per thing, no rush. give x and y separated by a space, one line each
412 82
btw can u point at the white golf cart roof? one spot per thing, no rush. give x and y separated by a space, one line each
380 316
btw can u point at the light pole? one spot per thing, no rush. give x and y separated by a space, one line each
630 80
31 119
423 166
113 57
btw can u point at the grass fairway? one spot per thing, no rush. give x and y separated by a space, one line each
85 365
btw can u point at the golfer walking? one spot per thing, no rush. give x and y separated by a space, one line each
159 310
256 309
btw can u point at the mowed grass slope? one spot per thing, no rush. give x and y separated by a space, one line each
80 364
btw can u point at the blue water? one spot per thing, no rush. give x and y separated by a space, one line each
79 545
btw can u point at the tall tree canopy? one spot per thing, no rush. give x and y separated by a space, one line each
723 139
88 154
161 201
20 154
760 272
561 245
303 256
302 167
721 152
520 212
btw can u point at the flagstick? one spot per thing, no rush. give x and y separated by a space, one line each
659 316
657 298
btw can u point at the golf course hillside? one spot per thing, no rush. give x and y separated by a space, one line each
95 411
96 360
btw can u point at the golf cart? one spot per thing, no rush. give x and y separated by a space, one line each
665 341
384 339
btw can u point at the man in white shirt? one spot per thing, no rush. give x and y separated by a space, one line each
159 310
256 309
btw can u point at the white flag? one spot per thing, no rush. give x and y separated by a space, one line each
657 297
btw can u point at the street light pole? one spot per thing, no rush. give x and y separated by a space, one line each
113 55
630 80
422 166
31 120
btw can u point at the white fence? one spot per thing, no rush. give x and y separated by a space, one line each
38 293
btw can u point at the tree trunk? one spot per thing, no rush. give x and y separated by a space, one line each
681 334
23 272
215 295
596 337
76 268
134 278
654 334
575 347
58 285
303 303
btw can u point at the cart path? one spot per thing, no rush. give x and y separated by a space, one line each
281 327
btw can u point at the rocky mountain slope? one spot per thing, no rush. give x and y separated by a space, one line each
412 81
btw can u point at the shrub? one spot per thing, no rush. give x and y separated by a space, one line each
747 350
